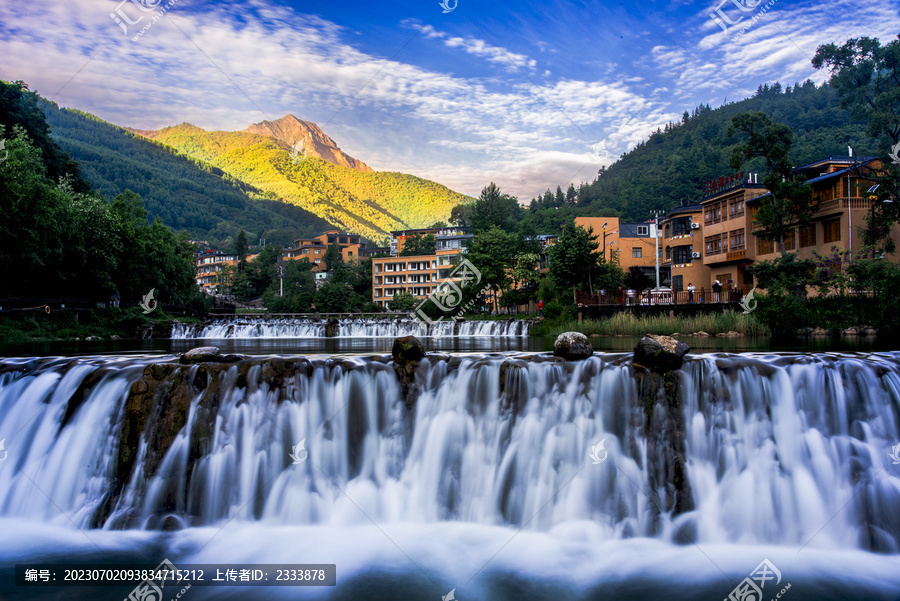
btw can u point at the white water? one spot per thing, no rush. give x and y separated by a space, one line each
787 457
347 328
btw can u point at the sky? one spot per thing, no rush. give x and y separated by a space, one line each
526 94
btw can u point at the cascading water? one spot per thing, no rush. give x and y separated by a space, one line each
348 328
786 452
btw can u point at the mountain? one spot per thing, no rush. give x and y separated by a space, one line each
184 192
363 202
671 166
306 138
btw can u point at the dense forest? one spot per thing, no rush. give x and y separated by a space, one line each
671 166
371 204
60 238
185 192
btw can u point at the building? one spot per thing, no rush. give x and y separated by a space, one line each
209 268
682 242
450 237
840 187
628 244
353 247
728 243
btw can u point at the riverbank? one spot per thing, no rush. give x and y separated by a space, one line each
111 323
627 324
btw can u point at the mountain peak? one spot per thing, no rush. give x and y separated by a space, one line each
298 134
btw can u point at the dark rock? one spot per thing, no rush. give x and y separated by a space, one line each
407 349
660 353
331 327
572 346
207 354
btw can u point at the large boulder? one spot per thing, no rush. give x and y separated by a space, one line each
207 354
572 346
407 349
660 353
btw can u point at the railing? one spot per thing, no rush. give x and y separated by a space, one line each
634 298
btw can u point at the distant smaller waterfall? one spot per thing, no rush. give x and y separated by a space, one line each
349 328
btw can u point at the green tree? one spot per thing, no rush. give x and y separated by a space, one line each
241 247
403 302
493 254
418 245
867 77
575 261
333 256
789 203
494 209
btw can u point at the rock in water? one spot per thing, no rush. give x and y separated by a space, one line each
572 346
207 354
407 349
660 353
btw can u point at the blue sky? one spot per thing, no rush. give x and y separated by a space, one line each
526 94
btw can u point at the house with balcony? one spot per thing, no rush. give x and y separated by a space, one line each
682 241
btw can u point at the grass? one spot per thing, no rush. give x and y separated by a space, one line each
628 324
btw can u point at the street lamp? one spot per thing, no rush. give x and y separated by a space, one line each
605 233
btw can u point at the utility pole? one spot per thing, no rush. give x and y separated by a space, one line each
656 245
281 277
850 206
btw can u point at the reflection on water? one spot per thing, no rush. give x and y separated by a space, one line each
258 346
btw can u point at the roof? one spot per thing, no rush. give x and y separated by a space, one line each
629 230
694 208
835 159
841 173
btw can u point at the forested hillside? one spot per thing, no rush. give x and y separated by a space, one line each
368 203
185 192
672 165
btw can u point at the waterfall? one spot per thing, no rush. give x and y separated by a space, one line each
786 450
348 328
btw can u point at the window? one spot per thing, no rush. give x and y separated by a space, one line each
677 283
737 240
735 208
668 253
713 245
808 236
713 213
643 230
636 252
764 247
667 231
683 254
318 251
317 261
343 240
831 230
681 226
789 240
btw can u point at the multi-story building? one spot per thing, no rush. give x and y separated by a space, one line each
726 228
839 185
446 238
210 266
353 247
628 244
682 242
